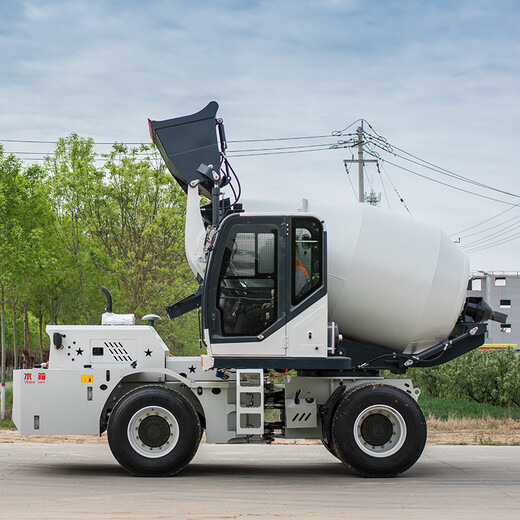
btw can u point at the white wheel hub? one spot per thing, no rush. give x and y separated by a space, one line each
153 431
380 431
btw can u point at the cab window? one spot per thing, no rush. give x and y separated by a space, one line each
307 258
246 294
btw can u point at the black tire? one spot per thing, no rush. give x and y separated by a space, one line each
329 447
378 430
154 431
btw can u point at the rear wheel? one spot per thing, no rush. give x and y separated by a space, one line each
154 431
378 430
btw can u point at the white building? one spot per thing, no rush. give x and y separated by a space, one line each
501 290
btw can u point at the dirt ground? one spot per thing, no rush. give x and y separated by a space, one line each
473 431
455 431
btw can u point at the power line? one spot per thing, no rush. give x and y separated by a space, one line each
502 230
395 189
283 148
494 244
36 141
374 138
489 228
281 139
384 187
484 242
270 139
238 154
350 180
233 153
444 183
493 236
367 177
438 169
26 141
484 221
339 133
44 155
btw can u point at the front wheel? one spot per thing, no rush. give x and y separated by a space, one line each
154 431
329 447
378 430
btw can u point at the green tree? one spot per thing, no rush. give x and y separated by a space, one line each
33 255
122 226
138 217
22 209
71 226
74 181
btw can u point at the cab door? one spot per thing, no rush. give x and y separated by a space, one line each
307 304
246 288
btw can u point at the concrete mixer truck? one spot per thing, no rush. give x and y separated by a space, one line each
330 304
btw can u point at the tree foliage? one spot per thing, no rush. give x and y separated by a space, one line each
24 217
75 224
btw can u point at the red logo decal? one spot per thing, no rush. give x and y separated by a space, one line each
28 379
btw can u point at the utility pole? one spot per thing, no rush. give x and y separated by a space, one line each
361 177
361 162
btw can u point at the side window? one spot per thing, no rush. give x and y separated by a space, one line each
247 284
307 258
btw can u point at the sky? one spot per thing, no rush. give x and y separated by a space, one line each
438 79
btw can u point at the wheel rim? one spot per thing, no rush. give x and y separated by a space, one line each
380 431
153 431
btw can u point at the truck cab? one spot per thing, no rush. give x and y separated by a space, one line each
266 282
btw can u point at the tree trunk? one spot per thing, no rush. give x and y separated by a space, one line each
83 298
40 327
27 334
15 335
2 326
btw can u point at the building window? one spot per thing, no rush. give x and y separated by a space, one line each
500 281
505 327
476 284
505 304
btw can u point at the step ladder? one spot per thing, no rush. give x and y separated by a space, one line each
250 401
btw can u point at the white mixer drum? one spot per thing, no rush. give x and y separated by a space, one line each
393 282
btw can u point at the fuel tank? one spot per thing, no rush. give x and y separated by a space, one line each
393 282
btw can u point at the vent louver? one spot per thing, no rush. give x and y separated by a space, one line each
118 351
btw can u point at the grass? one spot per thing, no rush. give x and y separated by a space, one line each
8 424
444 409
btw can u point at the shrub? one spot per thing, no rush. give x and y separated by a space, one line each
491 377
